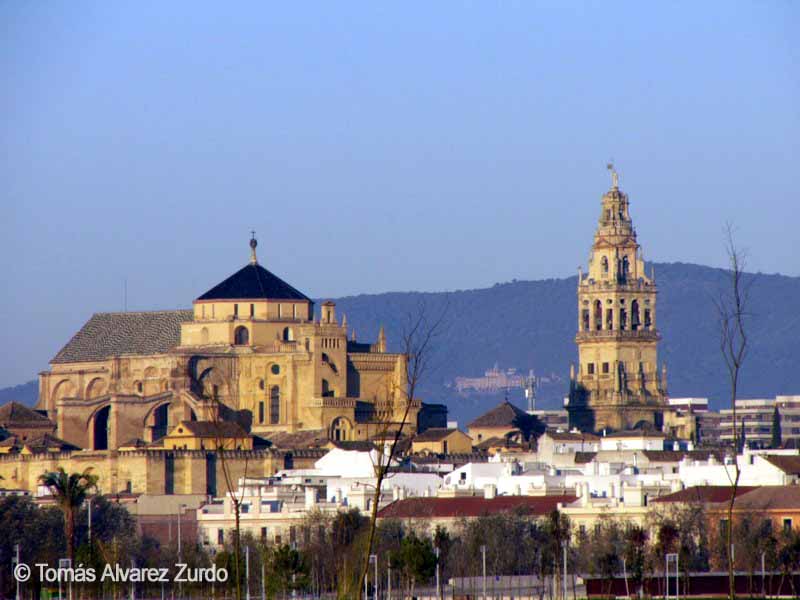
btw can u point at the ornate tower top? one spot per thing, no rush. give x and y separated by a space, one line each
253 244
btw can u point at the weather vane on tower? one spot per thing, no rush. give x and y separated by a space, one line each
614 176
253 244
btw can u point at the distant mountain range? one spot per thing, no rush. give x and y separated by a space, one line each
531 324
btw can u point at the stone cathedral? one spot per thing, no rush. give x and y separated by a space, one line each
250 351
619 384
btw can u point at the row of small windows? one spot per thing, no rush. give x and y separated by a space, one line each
331 343
252 311
636 322
241 335
605 368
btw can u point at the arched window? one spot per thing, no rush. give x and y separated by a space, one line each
623 319
604 265
585 319
102 422
625 268
598 315
340 429
261 384
635 315
288 334
648 323
274 404
241 337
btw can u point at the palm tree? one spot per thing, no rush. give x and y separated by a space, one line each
70 492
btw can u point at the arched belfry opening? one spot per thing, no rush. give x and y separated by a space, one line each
100 428
598 315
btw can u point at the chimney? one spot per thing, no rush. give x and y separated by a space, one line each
311 497
489 491
395 493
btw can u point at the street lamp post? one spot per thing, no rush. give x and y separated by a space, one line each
438 587
374 558
483 553
247 570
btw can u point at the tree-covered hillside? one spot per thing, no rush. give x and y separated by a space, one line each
532 324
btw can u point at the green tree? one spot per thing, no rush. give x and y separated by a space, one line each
69 491
416 560
776 428
288 569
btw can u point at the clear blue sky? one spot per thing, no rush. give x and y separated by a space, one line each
376 146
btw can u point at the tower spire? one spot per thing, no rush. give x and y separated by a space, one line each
253 244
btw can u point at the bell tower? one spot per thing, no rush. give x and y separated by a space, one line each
617 385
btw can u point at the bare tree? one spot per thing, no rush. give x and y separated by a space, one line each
418 337
222 439
732 309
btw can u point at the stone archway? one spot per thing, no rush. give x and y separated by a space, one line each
101 423
96 388
341 429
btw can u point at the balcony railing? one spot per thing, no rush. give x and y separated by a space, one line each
624 334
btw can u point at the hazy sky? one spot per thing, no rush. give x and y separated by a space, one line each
376 146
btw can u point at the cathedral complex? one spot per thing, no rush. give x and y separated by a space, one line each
619 384
148 398
249 352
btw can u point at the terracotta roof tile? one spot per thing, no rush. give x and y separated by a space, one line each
472 506
434 434
582 458
704 494
16 414
777 497
504 414
788 464
208 429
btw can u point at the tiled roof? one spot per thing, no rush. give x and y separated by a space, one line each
787 463
582 458
253 282
314 438
113 334
434 434
637 433
504 414
209 429
571 436
472 506
134 443
14 413
679 455
705 494
777 497
454 459
40 443
496 442
358 446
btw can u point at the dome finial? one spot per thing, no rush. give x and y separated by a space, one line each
253 244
